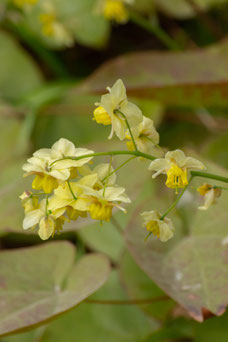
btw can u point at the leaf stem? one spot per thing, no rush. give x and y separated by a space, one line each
127 302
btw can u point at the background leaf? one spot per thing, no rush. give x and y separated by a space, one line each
42 282
175 78
192 270
16 81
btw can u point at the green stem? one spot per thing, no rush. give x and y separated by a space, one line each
146 156
129 128
209 176
74 197
47 213
119 167
110 153
106 178
155 30
173 205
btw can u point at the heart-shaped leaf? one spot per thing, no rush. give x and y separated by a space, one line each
16 81
192 270
39 283
190 78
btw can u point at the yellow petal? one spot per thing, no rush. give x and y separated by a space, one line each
101 116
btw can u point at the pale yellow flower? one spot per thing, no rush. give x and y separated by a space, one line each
29 201
210 195
49 222
100 203
176 166
103 171
72 197
163 229
48 170
112 105
145 135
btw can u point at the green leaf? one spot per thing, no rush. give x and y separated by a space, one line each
16 79
190 78
122 323
40 283
191 270
139 285
103 238
12 184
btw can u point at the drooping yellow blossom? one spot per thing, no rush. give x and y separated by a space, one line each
49 222
72 197
100 203
24 3
176 166
101 116
145 136
210 194
163 229
48 171
113 109
29 201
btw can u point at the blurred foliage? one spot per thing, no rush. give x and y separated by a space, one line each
48 86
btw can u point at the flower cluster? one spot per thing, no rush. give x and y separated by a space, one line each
69 188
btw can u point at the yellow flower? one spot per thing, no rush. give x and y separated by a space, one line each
49 222
48 171
145 135
24 3
115 10
210 195
29 201
102 171
72 197
100 203
163 229
101 116
112 105
176 166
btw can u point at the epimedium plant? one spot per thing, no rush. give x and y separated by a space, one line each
65 187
